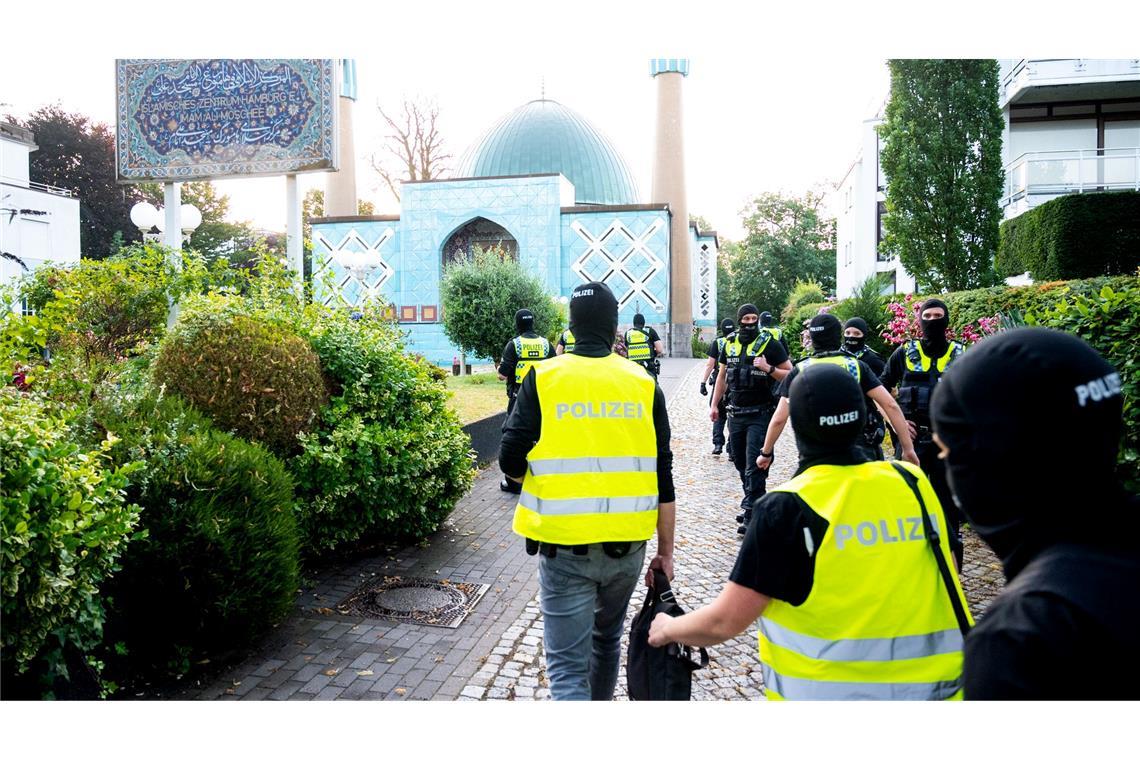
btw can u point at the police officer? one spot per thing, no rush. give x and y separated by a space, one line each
855 333
590 432
768 325
565 343
915 368
643 345
1065 627
751 365
709 378
824 330
519 356
855 603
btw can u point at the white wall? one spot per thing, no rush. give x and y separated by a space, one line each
13 162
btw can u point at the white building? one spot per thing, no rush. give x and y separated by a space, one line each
858 205
1071 126
39 224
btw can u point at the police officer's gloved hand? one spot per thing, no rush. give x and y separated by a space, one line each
704 389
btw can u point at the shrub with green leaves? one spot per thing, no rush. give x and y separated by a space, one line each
388 458
247 370
219 562
1073 236
480 298
66 522
868 303
803 293
1109 321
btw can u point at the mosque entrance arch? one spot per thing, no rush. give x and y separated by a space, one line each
481 232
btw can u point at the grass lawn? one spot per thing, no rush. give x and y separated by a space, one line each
476 396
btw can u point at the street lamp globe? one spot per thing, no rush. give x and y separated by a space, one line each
144 216
191 218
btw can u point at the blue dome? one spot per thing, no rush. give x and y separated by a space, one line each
546 137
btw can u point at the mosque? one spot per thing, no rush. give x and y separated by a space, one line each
547 186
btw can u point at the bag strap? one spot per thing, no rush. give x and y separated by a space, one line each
933 539
663 592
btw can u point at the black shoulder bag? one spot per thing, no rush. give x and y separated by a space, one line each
935 541
659 673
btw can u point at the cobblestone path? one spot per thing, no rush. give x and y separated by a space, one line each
496 653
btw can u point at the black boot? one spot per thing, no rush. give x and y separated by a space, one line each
744 519
510 486
717 450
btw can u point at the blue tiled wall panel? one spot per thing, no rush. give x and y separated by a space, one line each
628 250
703 270
337 244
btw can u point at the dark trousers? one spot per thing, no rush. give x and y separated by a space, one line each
935 470
746 433
721 420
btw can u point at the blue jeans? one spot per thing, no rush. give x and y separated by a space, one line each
583 600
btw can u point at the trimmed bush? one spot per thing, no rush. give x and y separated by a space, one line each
219 563
1073 236
803 293
65 523
969 306
1109 321
251 374
388 458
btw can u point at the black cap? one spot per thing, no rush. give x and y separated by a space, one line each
746 309
639 320
726 326
524 320
593 315
765 318
826 332
859 324
932 302
827 408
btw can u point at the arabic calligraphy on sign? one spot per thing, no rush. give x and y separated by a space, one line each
224 109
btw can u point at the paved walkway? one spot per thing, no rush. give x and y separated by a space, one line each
496 653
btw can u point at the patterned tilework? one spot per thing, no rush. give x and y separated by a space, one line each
628 250
703 271
361 260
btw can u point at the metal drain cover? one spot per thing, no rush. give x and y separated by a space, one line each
426 601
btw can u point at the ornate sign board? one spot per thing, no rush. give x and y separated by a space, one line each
187 120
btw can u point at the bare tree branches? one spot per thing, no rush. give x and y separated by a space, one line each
413 148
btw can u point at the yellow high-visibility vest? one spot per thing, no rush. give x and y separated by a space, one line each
637 346
529 351
878 622
568 341
592 476
849 363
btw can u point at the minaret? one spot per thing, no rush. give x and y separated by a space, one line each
669 187
340 198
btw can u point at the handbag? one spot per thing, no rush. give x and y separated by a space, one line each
660 673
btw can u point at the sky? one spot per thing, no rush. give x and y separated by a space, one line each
774 101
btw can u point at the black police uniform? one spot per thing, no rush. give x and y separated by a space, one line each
510 362
752 400
868 381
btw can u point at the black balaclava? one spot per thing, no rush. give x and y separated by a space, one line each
747 333
1033 420
524 321
765 319
593 318
934 330
639 320
826 333
726 326
855 345
827 411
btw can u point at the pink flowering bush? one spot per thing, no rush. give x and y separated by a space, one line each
905 324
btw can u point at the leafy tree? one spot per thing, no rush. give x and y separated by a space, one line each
214 237
788 239
480 298
78 154
942 158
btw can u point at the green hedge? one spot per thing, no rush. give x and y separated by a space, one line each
219 561
1073 236
968 306
65 524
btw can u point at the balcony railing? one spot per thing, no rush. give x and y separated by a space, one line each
1060 172
52 189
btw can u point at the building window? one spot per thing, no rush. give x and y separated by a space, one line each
880 231
889 282
26 309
